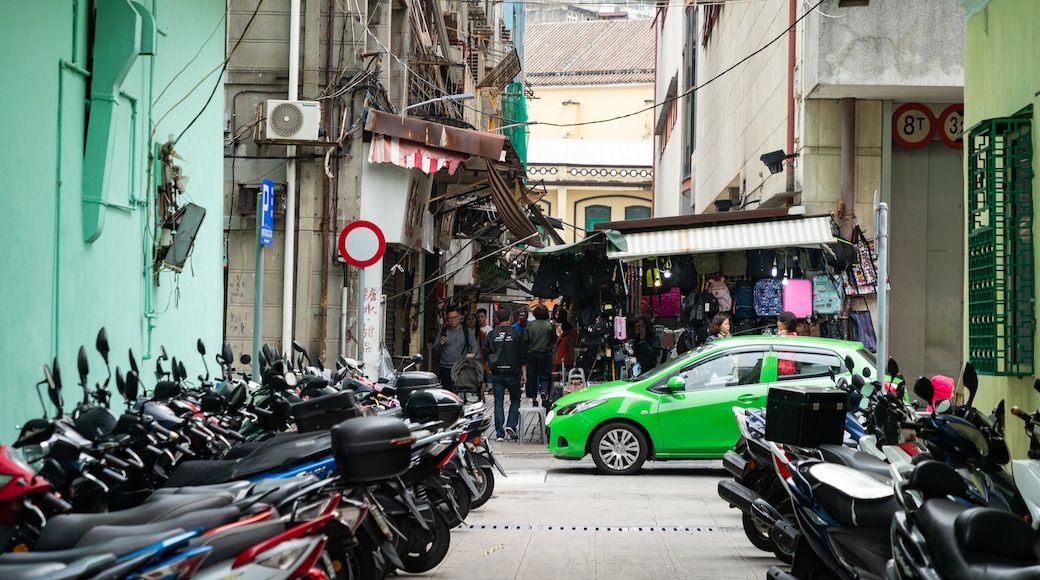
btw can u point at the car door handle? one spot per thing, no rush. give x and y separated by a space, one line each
747 399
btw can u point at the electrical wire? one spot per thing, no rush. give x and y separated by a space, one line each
222 67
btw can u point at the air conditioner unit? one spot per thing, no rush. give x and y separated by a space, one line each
292 120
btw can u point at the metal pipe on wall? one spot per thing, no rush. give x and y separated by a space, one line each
848 166
288 275
792 18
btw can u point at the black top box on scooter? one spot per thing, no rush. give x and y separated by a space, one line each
806 416
369 449
411 381
434 405
321 413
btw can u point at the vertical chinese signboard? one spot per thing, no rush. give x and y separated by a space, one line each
362 244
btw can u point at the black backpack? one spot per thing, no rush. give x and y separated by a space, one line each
701 307
569 276
547 278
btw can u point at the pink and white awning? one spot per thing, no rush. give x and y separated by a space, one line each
411 154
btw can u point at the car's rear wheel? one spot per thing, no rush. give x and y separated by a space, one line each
619 448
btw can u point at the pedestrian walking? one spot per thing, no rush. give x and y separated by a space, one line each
540 336
483 322
473 323
454 342
648 345
506 354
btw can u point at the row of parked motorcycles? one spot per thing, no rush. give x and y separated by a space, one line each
908 494
301 472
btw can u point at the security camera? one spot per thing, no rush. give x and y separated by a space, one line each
774 160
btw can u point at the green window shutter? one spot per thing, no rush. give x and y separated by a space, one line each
637 212
1000 247
595 214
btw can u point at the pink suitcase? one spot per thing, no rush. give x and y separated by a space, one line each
798 297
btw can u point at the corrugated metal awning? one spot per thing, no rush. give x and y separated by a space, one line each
509 210
807 232
468 141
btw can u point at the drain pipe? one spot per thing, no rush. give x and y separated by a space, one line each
289 274
848 167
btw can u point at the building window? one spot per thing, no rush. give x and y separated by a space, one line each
1000 247
595 214
637 212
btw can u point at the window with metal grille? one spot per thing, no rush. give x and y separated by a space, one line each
1000 247
637 212
595 214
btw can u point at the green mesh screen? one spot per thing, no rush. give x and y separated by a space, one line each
514 110
1000 247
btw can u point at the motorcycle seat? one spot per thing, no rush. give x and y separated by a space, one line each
981 542
230 543
57 570
851 497
855 459
63 531
233 487
205 519
119 547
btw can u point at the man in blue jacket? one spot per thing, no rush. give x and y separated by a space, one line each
507 358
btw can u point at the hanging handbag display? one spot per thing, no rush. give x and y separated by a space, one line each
861 328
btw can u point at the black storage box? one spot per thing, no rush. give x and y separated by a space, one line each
321 413
370 449
806 416
411 381
434 405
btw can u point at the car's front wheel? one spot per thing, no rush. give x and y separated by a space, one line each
619 448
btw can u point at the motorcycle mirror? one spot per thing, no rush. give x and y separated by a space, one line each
971 382
133 362
163 355
132 385
120 382
166 390
892 368
864 403
417 358
849 362
867 390
269 355
54 387
943 406
226 354
56 373
924 389
201 347
297 346
245 359
290 379
183 372
866 372
102 343
858 381
81 362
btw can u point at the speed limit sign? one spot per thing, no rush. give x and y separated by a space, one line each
913 125
951 125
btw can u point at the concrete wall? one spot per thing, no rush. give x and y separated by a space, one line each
58 290
672 36
868 51
1000 80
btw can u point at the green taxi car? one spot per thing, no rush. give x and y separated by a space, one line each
683 409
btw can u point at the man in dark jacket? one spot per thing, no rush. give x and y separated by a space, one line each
540 336
507 359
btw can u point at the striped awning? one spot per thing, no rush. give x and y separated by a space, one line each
410 154
804 232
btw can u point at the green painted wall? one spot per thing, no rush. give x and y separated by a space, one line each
57 291
1000 79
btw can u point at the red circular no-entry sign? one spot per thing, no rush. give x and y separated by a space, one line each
361 243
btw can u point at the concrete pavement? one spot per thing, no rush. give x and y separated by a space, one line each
562 519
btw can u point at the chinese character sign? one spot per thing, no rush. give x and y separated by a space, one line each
372 312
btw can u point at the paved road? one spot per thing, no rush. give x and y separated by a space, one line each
561 519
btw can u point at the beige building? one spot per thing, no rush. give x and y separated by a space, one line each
849 100
588 150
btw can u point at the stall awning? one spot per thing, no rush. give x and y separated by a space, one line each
614 239
457 139
410 154
806 232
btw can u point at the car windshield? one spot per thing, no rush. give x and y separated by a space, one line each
663 368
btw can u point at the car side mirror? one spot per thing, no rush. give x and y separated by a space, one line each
675 384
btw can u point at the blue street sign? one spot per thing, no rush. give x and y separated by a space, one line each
267 213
